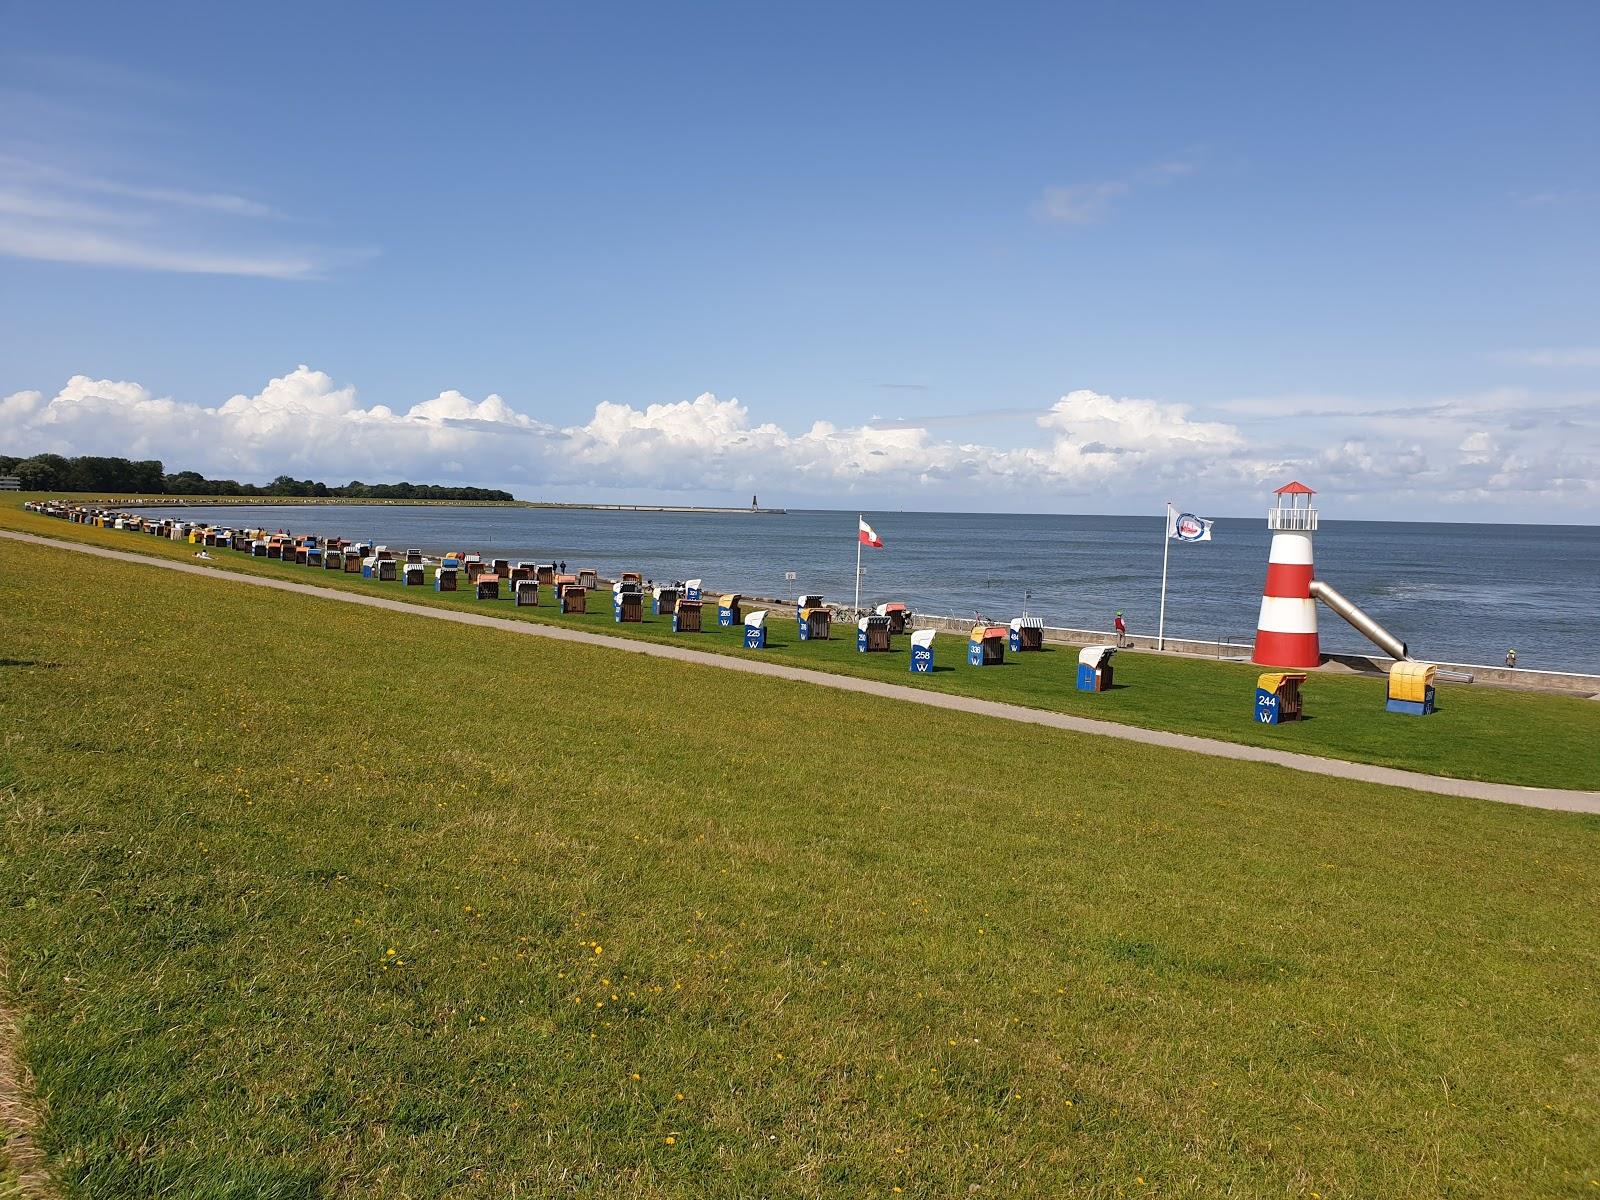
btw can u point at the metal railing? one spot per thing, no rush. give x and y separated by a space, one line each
1235 645
1300 520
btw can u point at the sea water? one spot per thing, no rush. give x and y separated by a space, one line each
1455 592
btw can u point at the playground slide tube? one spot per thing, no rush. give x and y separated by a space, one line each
1364 625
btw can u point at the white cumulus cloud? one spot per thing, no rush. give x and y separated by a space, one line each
1089 450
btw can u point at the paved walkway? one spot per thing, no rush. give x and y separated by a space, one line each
1503 793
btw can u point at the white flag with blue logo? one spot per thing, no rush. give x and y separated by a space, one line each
1186 527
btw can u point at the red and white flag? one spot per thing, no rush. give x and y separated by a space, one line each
868 535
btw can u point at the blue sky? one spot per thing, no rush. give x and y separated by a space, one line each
1069 258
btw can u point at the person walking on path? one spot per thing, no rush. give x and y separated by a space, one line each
1122 631
1511 658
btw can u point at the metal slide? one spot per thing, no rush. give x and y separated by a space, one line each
1364 625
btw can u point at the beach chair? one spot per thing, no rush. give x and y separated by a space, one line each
898 615
1027 633
686 617
627 602
1094 668
1278 697
755 630
872 635
1411 688
816 625
986 645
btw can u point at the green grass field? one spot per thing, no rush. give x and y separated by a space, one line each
1530 738
303 900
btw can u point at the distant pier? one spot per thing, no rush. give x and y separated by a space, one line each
661 508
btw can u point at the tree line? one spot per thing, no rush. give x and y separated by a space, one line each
57 473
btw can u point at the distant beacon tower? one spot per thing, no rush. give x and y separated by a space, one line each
1286 633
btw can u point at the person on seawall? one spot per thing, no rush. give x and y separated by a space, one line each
1122 630
1511 658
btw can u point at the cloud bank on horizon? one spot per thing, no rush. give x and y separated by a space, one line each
1093 452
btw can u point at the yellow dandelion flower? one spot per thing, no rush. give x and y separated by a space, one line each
670 1140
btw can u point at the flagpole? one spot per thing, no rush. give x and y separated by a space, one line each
1166 549
860 517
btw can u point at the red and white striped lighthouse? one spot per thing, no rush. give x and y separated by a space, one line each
1286 632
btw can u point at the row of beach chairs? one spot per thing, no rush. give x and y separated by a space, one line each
525 582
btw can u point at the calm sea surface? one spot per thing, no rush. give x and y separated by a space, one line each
1457 593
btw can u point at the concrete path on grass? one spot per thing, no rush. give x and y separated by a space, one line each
1565 800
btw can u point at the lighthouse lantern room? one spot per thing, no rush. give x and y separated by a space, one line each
1286 632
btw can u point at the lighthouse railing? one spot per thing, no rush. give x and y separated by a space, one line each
1297 520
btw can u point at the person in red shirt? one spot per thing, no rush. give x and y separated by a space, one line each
1122 631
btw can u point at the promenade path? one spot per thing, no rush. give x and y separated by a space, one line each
1561 799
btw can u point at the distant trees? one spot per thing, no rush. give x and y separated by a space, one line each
55 473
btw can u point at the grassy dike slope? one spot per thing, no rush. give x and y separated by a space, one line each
1482 733
309 901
